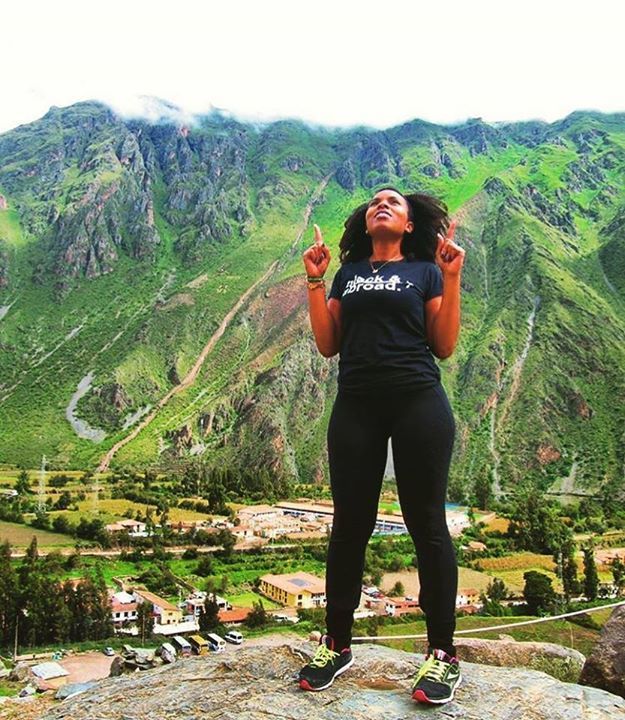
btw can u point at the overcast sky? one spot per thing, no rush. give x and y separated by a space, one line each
334 62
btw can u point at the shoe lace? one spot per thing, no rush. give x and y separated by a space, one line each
323 656
432 669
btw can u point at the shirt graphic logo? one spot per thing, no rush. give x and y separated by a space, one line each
373 282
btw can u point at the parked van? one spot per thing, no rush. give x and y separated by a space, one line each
234 637
167 652
216 643
199 645
182 645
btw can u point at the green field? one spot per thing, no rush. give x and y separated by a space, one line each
249 598
20 536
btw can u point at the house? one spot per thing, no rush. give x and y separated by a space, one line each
300 589
186 526
255 514
194 604
467 596
235 616
242 532
401 606
123 608
475 546
134 528
165 613
275 527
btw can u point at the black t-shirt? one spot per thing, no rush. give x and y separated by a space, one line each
383 339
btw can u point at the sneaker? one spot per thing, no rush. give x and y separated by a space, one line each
437 679
320 672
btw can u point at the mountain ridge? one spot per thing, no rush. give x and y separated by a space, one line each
110 222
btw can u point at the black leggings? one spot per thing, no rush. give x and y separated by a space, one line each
422 429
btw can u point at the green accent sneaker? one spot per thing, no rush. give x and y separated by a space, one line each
437 679
320 672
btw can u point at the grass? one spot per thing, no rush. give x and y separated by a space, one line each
247 599
8 689
467 579
518 561
556 631
20 537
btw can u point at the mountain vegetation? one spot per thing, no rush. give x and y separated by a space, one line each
153 311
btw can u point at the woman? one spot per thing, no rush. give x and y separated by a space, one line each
394 302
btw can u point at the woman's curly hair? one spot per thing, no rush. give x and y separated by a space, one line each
428 214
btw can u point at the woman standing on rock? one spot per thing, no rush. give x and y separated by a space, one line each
394 302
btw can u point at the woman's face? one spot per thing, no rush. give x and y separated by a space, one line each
388 212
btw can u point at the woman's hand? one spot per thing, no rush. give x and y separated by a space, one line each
317 257
449 256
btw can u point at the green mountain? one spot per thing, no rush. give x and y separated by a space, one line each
152 304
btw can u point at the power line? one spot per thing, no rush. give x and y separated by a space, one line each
421 636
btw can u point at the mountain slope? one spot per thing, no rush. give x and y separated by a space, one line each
124 246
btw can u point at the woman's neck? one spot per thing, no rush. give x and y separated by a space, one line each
386 250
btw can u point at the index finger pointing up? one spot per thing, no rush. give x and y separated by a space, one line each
318 236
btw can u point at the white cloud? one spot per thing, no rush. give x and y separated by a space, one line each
333 62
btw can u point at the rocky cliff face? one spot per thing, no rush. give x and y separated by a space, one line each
260 682
125 244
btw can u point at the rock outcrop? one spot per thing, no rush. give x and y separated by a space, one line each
605 668
260 682
510 653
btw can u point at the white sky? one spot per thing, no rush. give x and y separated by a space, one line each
334 62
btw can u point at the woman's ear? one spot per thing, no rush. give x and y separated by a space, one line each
409 226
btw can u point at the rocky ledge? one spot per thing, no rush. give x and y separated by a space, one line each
257 683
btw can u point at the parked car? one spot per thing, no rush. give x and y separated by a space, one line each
109 651
286 618
234 637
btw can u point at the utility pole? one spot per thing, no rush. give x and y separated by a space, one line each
24 612
17 624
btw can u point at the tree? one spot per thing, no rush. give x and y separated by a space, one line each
397 590
538 592
64 501
145 620
591 578
227 541
258 616
59 481
535 522
209 617
41 519
492 598
204 567
618 574
566 566
8 595
100 606
61 524
373 624
482 490
22 485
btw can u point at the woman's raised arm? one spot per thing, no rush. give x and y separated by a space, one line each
325 317
442 314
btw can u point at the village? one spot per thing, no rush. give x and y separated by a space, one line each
175 626
258 524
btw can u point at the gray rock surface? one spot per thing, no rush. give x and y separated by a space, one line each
261 682
510 653
605 668
20 673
